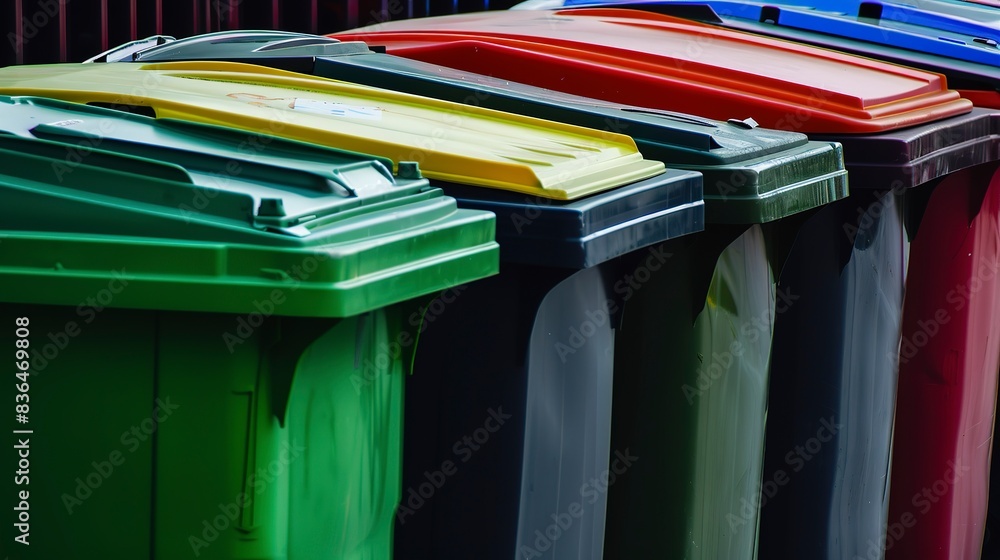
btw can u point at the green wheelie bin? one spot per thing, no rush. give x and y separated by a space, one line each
194 312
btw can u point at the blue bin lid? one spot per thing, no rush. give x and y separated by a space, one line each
963 49
893 25
960 16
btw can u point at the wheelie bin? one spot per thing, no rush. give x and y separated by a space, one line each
827 460
779 175
190 316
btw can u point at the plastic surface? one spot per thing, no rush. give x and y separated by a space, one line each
601 227
977 82
206 225
976 10
753 174
959 16
513 422
837 500
567 418
350 422
690 401
948 363
645 55
256 44
917 155
516 419
919 28
451 142
825 482
557 388
191 455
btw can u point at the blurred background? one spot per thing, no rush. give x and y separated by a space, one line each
43 31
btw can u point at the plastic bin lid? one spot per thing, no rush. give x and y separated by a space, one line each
928 13
776 173
773 20
652 60
913 156
202 218
956 16
961 17
450 141
587 232
887 23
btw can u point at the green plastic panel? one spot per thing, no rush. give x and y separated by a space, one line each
154 438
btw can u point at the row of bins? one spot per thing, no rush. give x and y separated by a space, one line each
711 358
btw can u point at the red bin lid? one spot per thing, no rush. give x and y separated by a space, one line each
657 61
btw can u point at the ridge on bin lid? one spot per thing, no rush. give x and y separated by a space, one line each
452 142
779 173
708 69
202 221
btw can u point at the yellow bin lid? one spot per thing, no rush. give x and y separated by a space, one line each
452 142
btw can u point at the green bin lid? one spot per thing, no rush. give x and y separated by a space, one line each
203 218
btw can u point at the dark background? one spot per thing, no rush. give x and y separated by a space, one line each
45 31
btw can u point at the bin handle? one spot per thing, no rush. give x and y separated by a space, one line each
131 49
